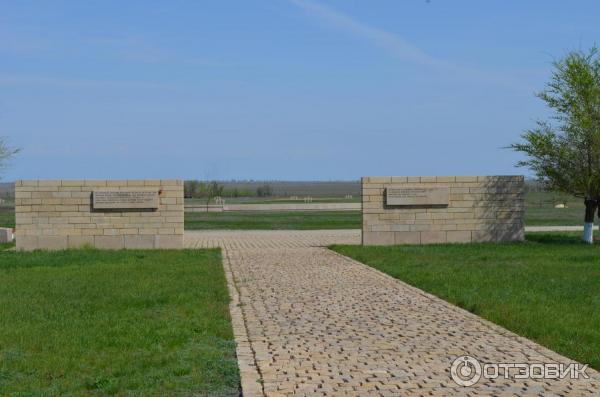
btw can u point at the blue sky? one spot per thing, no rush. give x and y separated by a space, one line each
277 89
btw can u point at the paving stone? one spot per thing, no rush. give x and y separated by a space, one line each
310 322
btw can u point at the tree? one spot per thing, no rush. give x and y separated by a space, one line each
264 190
6 153
564 152
213 189
189 187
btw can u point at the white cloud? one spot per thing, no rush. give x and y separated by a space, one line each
404 50
393 43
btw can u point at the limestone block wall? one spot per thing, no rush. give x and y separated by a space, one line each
58 214
479 209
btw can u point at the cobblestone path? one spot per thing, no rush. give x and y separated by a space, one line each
310 322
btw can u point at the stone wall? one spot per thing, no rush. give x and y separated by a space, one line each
58 214
479 208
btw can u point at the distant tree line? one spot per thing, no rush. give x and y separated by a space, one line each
211 189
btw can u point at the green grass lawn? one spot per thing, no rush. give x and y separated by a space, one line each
546 289
540 211
263 220
89 322
7 217
4 246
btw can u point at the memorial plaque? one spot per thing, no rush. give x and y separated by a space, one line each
416 196
125 199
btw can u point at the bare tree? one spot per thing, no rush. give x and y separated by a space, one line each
6 153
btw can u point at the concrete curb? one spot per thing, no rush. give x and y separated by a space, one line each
249 372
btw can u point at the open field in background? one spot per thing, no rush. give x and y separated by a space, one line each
89 322
546 289
7 217
263 200
299 220
299 188
539 210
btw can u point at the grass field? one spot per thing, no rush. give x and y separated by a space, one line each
546 289
258 200
539 209
7 217
88 322
299 220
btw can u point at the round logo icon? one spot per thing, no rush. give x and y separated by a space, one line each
465 371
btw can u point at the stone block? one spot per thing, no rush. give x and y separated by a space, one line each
22 195
483 236
135 182
380 179
109 242
57 214
378 238
52 242
399 227
152 182
80 241
174 188
399 179
116 183
372 192
27 243
380 228
139 242
94 183
49 183
433 237
511 232
446 179
480 209
168 242
407 238
423 227
147 230
458 236
71 182
428 179
466 179
31 182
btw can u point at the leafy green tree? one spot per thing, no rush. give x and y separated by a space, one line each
564 152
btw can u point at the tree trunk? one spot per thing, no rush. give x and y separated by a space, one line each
588 226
